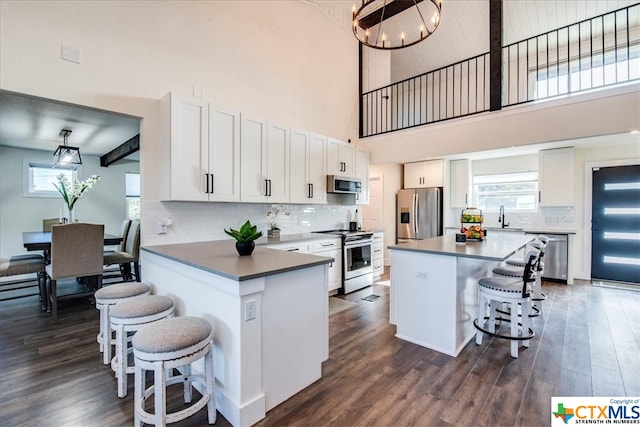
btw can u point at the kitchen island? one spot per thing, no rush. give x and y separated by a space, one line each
269 312
434 287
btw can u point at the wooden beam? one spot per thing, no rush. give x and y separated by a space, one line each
495 55
121 151
391 9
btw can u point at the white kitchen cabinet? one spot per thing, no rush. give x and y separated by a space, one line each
340 158
362 172
556 177
202 161
377 255
264 151
429 173
302 247
186 123
308 176
459 184
223 155
331 248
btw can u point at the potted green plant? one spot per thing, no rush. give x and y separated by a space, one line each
245 237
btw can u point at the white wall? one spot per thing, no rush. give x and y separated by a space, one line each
105 203
259 57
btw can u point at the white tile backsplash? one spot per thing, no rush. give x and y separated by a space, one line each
195 222
551 217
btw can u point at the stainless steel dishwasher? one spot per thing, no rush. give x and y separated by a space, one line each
556 258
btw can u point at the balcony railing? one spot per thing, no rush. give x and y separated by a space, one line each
594 53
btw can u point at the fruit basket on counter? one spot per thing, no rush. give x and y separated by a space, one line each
471 220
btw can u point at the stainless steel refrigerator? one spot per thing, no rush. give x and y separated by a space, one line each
419 213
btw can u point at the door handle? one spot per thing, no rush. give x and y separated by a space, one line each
207 183
212 187
269 188
266 187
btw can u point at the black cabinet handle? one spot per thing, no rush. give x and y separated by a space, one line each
309 191
207 181
266 187
212 187
269 187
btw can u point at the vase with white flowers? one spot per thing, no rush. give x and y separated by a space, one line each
274 231
71 192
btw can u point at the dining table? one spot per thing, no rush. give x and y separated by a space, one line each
41 240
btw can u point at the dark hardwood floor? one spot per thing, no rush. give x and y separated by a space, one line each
587 344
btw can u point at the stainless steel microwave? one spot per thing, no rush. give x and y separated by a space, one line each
343 184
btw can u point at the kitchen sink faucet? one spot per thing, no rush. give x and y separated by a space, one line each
501 217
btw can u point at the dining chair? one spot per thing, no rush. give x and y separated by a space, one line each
18 266
76 254
129 255
48 222
116 273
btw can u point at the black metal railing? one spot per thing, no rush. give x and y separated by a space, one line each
593 53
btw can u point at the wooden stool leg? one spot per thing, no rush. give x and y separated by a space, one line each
514 330
526 320
138 403
105 327
121 360
482 310
186 380
160 401
211 384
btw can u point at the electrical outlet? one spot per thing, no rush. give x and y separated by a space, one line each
249 310
71 54
161 228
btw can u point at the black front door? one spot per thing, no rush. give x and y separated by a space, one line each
615 224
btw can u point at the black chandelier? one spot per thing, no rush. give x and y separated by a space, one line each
66 156
395 24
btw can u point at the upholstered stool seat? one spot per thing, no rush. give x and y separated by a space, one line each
106 297
513 292
163 346
127 317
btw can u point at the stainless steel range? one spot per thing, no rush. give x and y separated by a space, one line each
357 270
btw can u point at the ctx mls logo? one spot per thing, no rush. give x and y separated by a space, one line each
595 410
565 414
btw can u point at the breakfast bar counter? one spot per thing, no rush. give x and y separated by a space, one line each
434 287
269 311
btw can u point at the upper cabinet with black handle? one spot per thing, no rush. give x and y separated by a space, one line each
265 161
341 158
308 171
201 145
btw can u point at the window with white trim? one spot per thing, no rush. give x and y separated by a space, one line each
132 183
517 192
39 179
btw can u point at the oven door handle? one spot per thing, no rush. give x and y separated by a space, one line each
358 244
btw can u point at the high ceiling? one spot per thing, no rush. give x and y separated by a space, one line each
463 32
464 27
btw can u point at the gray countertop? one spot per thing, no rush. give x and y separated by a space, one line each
493 247
220 257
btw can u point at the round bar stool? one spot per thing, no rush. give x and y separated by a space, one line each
494 291
538 296
106 297
127 317
163 346
516 269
